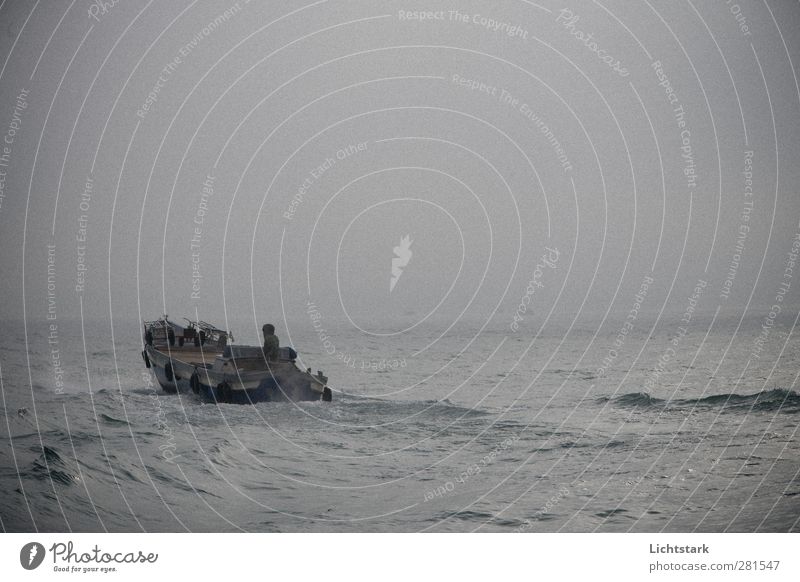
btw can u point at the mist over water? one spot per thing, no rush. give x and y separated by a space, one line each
547 256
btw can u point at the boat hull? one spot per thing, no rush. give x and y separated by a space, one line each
268 390
171 373
277 382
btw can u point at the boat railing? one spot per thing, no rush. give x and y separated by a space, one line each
199 333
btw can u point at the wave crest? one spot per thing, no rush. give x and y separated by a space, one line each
777 399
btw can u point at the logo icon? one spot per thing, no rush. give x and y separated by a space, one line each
401 259
31 555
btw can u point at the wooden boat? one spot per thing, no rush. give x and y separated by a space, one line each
197 357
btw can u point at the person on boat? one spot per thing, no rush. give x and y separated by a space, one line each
271 343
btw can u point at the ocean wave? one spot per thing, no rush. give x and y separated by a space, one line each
50 465
476 517
113 421
614 513
775 400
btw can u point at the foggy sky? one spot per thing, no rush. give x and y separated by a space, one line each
266 106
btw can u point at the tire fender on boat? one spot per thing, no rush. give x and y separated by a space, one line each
146 359
327 395
194 382
168 371
224 392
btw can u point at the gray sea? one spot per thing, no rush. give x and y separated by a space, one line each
472 428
